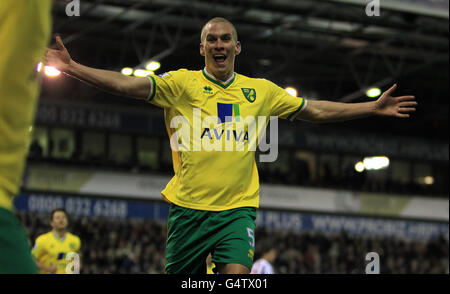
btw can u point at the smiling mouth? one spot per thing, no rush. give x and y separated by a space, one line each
219 58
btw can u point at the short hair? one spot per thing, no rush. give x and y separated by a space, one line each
56 210
219 20
266 245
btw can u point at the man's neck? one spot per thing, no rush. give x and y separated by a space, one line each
59 233
225 79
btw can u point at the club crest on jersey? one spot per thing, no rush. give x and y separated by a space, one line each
249 93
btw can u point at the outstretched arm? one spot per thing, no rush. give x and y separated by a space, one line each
386 105
109 81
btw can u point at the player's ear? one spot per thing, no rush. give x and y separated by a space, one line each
238 48
202 49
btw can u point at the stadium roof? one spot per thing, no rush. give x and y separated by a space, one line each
328 49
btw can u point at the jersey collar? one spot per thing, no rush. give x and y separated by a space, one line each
222 84
58 238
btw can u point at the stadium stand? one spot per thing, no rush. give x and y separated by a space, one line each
136 246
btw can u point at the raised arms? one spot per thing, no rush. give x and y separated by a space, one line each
386 105
109 81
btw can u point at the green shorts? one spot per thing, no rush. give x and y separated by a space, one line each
15 253
193 234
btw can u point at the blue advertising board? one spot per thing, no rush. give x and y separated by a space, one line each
286 220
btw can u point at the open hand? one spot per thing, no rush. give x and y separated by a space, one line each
388 105
58 58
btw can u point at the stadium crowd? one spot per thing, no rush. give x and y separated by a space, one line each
136 246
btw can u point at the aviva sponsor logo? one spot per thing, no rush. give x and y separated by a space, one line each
231 134
228 131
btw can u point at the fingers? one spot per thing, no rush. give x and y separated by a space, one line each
406 109
402 115
405 98
48 54
409 106
410 103
406 105
59 42
390 90
50 50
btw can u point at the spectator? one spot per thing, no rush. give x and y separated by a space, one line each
269 253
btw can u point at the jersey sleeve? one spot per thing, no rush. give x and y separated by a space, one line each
284 105
166 89
38 248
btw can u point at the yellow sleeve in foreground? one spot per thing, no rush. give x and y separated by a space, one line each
25 27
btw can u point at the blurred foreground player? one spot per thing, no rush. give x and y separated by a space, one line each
214 194
25 27
51 250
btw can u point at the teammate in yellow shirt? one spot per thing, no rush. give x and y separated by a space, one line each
58 251
25 27
215 190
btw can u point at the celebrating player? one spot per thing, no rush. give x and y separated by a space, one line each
214 194
55 250
25 27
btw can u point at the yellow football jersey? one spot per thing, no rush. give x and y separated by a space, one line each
215 128
50 250
25 27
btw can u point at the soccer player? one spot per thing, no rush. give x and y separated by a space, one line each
51 249
25 27
214 194
264 264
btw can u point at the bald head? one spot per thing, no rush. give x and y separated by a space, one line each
218 20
